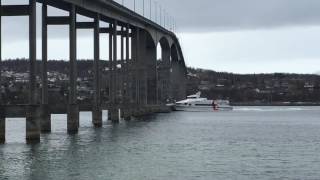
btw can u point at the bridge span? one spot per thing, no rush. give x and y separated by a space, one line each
137 83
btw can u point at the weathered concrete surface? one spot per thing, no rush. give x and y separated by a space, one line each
73 118
2 125
97 116
45 119
33 118
114 114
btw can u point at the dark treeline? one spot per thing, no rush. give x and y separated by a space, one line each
260 88
22 65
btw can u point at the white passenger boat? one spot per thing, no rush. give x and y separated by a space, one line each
195 103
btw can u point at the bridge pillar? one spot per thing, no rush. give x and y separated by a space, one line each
139 71
113 110
97 111
2 125
122 74
2 113
33 111
111 93
143 71
134 71
73 118
183 80
127 90
45 118
97 116
150 64
33 118
134 89
114 115
163 74
73 109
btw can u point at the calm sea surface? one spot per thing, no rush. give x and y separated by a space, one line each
248 143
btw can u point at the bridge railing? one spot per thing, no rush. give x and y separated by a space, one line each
152 10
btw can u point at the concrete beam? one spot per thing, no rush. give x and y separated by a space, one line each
105 30
58 20
15 10
85 25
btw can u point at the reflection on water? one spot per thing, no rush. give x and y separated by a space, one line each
248 143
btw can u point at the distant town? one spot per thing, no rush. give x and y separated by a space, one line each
15 77
250 89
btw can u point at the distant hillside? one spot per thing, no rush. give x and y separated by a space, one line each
248 88
260 88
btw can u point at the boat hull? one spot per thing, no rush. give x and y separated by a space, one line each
202 108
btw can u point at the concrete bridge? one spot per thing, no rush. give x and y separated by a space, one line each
138 85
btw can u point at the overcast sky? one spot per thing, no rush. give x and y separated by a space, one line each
242 36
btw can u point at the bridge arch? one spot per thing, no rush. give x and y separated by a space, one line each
174 53
177 73
164 50
149 58
163 69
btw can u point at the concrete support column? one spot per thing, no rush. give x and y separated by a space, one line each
165 76
183 92
114 62
73 109
122 64
97 111
111 93
45 118
33 118
143 71
122 100
150 65
33 111
2 113
2 125
134 89
135 46
114 110
175 80
127 112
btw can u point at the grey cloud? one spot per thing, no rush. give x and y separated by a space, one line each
212 15
221 15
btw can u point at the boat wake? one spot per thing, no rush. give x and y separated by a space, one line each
264 109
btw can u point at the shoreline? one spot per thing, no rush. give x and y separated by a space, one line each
275 104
